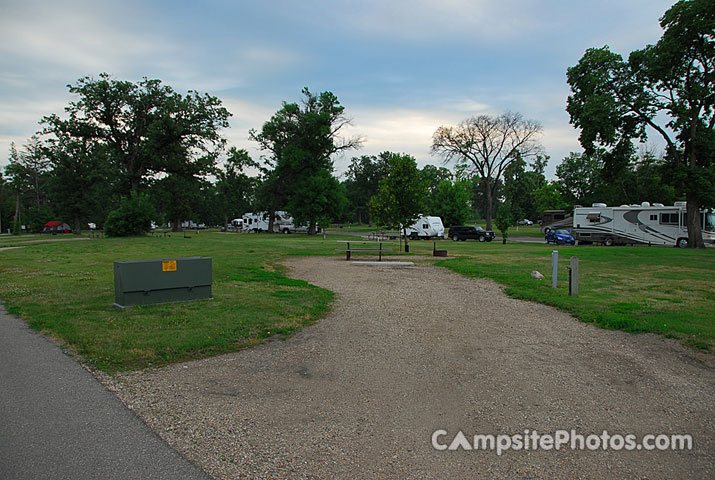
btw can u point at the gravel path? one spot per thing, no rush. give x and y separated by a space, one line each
405 352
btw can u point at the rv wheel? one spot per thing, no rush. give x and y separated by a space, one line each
286 231
608 242
682 242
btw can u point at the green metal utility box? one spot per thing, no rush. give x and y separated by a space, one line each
144 282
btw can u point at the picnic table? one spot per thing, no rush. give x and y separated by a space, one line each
373 247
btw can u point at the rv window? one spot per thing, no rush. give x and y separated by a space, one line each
594 217
559 216
668 218
708 221
424 225
654 218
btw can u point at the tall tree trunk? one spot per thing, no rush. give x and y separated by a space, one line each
176 225
695 233
272 212
77 225
37 191
16 218
490 202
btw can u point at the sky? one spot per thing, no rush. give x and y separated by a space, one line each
401 68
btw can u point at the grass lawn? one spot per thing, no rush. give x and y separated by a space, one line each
66 290
637 289
353 228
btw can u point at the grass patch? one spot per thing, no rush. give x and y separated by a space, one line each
66 289
637 289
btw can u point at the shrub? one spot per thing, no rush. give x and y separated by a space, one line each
132 217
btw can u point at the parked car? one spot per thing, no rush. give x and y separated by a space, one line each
525 221
560 237
465 232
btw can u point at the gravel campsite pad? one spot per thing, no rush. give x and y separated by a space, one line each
408 351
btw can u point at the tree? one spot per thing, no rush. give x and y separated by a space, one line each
433 176
79 180
450 201
579 177
400 197
548 197
317 199
505 219
233 186
489 144
614 101
361 183
301 141
133 216
520 185
18 180
146 128
36 164
584 180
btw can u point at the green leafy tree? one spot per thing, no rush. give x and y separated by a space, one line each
580 180
132 217
450 201
520 185
301 141
318 199
361 183
614 101
505 219
548 197
489 144
79 181
433 176
401 194
145 128
234 188
19 182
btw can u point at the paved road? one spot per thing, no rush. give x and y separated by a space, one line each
57 421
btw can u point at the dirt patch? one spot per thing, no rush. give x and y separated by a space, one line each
410 351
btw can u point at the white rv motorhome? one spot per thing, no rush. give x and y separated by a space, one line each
426 227
258 222
648 224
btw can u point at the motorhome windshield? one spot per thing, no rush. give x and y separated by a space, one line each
709 222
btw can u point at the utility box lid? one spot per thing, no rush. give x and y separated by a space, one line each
144 282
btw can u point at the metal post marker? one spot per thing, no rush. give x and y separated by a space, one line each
573 277
554 268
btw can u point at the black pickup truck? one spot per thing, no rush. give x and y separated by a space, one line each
462 233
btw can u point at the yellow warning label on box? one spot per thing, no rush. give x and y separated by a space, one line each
168 266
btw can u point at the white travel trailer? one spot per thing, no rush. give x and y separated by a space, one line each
426 227
650 224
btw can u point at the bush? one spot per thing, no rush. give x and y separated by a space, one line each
132 217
